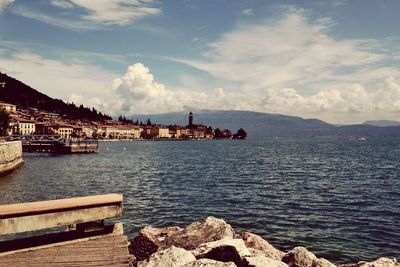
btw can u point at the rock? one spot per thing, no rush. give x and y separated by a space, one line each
256 252
149 240
224 250
256 242
170 257
262 261
209 263
238 244
132 260
321 262
381 262
192 236
299 257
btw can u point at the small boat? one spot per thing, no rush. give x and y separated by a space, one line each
362 139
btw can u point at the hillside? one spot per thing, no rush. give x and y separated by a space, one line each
259 125
382 123
20 94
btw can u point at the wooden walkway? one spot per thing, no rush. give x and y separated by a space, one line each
89 243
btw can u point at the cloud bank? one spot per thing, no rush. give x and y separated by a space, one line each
80 15
4 3
139 94
292 52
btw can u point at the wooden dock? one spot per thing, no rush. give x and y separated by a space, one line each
87 241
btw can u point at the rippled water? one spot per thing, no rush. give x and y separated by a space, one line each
339 198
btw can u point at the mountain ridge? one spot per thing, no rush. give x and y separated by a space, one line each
18 93
257 124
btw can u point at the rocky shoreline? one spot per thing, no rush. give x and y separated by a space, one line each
214 243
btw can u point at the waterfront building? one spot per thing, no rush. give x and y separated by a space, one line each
89 131
25 127
196 131
64 130
159 132
77 131
42 128
8 107
177 131
121 131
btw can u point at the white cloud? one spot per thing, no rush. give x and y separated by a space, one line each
62 3
74 98
4 4
141 94
248 12
292 52
111 12
58 79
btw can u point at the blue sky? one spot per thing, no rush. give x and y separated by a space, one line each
334 60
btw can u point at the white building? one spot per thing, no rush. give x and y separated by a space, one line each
26 127
8 107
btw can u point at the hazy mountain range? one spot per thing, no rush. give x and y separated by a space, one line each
257 124
383 123
260 125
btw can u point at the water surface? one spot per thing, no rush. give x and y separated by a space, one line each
340 198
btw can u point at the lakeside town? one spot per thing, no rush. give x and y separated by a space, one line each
33 121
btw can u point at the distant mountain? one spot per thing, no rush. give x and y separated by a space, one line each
20 94
382 123
259 125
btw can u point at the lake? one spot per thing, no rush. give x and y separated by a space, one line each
338 197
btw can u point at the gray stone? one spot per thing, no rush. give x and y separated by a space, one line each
224 250
150 240
381 262
170 257
262 261
321 262
299 257
209 263
256 242
192 236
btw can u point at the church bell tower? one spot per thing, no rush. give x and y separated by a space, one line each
190 119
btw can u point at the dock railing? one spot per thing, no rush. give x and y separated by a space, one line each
79 212
85 241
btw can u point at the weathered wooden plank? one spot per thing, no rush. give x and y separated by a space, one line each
45 221
24 217
104 250
31 208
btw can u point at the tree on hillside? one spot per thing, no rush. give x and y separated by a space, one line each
148 122
218 134
240 134
4 121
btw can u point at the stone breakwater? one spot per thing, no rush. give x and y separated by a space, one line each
10 156
214 243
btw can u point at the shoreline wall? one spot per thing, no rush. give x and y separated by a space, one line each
10 156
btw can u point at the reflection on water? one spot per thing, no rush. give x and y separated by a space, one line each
339 198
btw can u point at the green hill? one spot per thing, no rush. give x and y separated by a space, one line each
20 94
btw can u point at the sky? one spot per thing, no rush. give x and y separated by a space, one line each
338 61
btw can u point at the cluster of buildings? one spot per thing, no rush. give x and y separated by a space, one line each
31 121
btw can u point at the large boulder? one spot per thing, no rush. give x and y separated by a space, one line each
299 257
192 236
257 242
149 240
262 261
170 257
381 262
224 250
321 262
209 263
